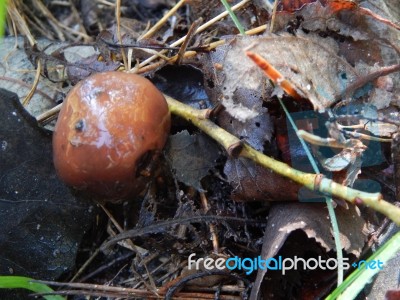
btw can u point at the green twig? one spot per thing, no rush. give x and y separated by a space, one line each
233 17
315 182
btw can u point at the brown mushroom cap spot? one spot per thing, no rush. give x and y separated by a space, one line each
106 124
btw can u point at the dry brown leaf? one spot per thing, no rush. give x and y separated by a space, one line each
311 64
252 182
314 221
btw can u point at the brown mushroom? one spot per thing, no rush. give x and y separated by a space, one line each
107 123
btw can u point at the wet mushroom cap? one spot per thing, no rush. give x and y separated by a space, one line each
106 125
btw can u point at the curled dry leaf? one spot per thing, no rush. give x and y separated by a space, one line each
252 182
313 220
363 36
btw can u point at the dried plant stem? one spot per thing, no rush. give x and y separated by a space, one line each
316 182
55 23
32 91
24 29
164 19
189 36
200 29
274 10
319 141
119 36
212 227
363 80
19 22
48 115
192 53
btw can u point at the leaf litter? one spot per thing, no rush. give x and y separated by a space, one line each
326 52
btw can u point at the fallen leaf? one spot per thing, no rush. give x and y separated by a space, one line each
42 223
312 65
191 157
313 220
251 182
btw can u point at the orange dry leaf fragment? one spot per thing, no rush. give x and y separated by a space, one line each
274 74
338 5
335 5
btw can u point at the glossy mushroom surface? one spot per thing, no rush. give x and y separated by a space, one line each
106 124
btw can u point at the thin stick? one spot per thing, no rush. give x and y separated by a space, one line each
46 12
32 91
191 33
274 9
118 17
359 82
210 47
19 21
132 246
48 115
319 141
161 22
213 230
200 29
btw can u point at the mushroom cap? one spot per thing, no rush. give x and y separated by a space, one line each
106 124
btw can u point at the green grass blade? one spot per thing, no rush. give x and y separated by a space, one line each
233 17
331 210
3 13
357 280
19 282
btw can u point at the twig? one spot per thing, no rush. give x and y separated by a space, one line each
319 141
19 21
213 229
160 226
314 182
130 245
187 54
368 12
360 82
35 83
118 18
189 36
85 265
200 29
161 22
274 10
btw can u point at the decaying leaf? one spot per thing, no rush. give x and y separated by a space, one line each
252 182
396 163
313 220
18 74
42 223
191 157
313 67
